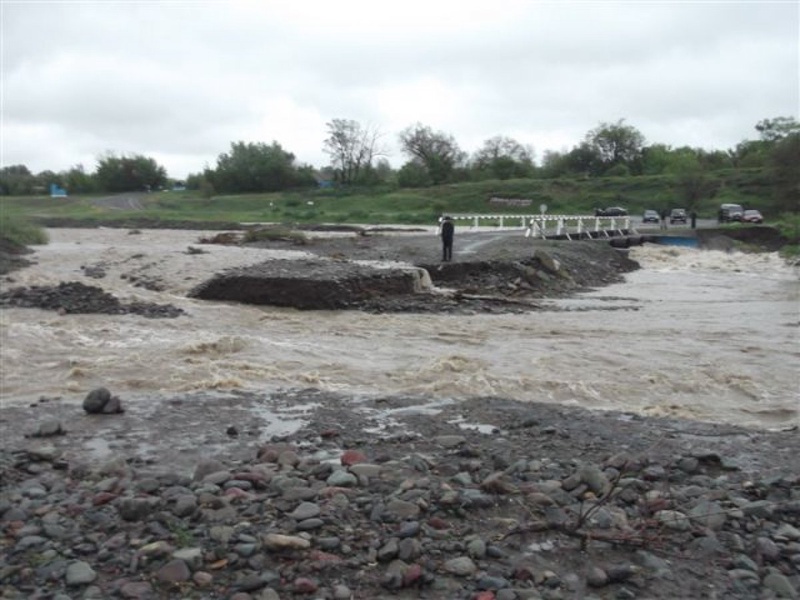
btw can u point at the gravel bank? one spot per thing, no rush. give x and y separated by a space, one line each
392 497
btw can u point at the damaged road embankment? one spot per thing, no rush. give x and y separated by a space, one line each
511 273
311 284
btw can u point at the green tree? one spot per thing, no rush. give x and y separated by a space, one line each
784 162
712 160
581 161
383 170
257 167
413 174
194 180
694 185
16 180
656 159
617 143
78 181
662 159
553 164
503 158
45 179
206 188
772 130
682 160
379 173
585 160
751 154
436 151
129 173
618 170
352 148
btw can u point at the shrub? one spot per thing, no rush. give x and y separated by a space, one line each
791 252
271 234
789 226
22 232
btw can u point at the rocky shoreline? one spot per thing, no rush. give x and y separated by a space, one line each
392 497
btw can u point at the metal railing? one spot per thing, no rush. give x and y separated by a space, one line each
542 226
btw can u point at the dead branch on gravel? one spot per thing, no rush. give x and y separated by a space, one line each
498 299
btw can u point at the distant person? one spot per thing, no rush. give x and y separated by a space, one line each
663 219
447 230
694 219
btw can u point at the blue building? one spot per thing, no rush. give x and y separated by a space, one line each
57 192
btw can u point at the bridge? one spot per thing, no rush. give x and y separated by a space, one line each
548 226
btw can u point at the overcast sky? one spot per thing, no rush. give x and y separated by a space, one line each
180 81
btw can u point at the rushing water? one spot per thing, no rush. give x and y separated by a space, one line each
699 334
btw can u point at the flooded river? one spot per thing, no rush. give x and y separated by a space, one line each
699 334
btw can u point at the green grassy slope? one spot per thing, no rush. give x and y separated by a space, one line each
415 206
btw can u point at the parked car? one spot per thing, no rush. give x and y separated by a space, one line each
730 212
650 216
612 211
677 215
752 216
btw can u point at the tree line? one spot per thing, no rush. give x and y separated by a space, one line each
358 157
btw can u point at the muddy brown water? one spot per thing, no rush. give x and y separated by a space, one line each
703 335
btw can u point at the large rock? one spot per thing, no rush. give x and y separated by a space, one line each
100 401
95 400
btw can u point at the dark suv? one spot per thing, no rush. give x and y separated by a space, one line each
678 215
730 212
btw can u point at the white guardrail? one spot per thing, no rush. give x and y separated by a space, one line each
544 225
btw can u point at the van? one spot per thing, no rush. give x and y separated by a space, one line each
730 212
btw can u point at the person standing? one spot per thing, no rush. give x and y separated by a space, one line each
664 214
447 231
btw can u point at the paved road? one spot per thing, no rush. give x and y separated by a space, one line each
126 201
650 227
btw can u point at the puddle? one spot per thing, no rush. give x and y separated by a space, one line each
99 448
389 418
276 424
479 427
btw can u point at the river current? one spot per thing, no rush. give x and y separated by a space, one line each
699 334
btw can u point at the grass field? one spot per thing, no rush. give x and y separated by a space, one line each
412 206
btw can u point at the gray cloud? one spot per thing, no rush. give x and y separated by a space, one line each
180 81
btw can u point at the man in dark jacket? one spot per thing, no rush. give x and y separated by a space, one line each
664 215
447 231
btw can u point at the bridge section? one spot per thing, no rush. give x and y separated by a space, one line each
553 226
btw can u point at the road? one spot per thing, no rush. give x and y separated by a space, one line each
126 201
